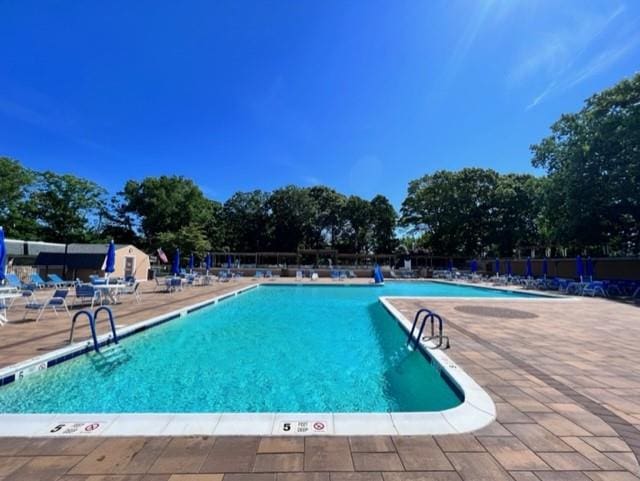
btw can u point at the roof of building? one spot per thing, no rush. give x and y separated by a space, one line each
72 261
17 247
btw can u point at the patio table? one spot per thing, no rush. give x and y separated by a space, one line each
3 296
109 292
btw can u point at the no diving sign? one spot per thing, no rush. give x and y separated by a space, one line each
76 429
303 427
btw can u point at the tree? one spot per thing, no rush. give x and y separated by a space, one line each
65 206
383 225
592 195
246 220
454 208
328 205
356 235
117 222
17 214
291 218
189 239
516 202
166 204
214 227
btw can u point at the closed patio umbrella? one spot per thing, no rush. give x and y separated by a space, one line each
579 267
207 262
450 265
509 268
589 268
228 261
497 266
3 255
175 263
192 262
474 266
110 260
529 268
545 267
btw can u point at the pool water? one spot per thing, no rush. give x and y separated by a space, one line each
271 349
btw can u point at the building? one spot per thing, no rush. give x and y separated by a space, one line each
76 261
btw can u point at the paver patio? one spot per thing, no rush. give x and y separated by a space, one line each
565 378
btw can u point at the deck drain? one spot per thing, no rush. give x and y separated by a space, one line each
501 312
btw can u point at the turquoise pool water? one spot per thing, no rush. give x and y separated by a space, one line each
272 349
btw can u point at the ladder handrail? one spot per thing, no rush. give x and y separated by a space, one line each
415 322
431 316
111 320
92 325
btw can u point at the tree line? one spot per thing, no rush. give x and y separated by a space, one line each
588 200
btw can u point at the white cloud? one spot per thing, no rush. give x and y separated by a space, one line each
561 57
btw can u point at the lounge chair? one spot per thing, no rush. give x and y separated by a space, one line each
55 302
636 296
14 281
58 281
268 275
223 276
351 275
594 288
86 293
299 276
258 275
133 290
39 282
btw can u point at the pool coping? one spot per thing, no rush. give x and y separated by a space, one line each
475 412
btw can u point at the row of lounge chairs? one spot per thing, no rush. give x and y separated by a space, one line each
603 288
85 294
334 274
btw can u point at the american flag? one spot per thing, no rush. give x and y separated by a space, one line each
162 256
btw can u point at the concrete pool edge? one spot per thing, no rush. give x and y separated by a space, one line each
476 411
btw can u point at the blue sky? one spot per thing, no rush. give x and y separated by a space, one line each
361 96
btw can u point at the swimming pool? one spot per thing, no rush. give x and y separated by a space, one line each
277 348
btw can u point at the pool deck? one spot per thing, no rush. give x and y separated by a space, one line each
565 377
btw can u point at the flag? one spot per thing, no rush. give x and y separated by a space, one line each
162 256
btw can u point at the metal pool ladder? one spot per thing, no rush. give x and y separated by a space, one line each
414 342
93 317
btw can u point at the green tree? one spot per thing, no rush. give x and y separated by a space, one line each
291 217
454 209
383 225
592 195
246 221
117 222
17 214
328 205
166 204
66 207
356 234
214 228
189 239
516 205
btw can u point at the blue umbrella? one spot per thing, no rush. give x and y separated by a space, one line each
545 267
529 272
589 268
497 266
509 268
192 261
110 261
474 266
3 255
579 267
450 265
228 261
175 263
207 261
